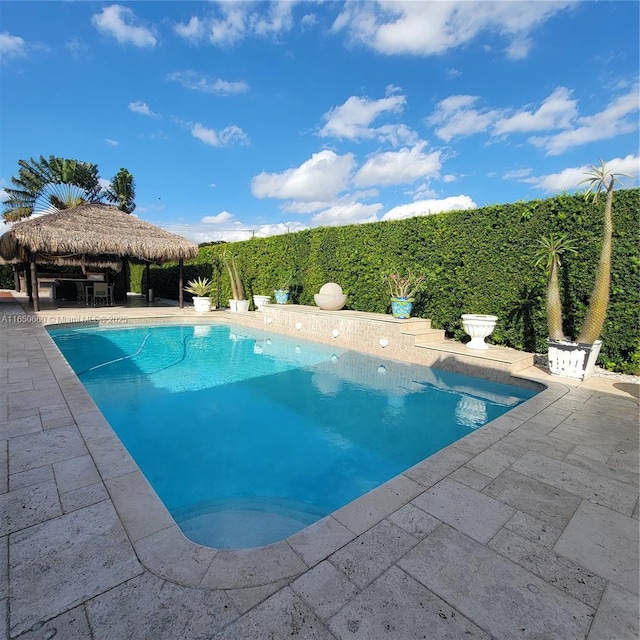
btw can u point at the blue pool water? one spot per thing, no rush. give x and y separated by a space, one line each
249 437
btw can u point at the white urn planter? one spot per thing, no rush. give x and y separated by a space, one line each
572 359
238 306
478 326
260 301
201 305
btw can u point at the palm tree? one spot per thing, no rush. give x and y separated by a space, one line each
600 179
122 191
551 248
44 185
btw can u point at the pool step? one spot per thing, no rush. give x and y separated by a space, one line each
427 336
501 358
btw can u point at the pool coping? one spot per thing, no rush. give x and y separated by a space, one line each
165 551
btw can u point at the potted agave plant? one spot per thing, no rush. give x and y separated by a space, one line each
200 288
403 290
577 358
239 301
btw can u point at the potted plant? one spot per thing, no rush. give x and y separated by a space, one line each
259 301
402 291
281 294
200 288
239 301
569 358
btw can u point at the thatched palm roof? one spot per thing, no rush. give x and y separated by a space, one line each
97 234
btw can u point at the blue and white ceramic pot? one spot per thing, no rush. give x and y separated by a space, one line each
401 307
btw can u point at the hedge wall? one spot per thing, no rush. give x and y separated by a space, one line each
477 261
6 276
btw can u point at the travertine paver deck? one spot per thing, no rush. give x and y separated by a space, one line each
527 528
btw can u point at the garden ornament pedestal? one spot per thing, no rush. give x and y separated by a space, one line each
478 326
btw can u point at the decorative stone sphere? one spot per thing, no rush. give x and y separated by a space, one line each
330 297
331 289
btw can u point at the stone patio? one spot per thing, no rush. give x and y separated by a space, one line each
527 528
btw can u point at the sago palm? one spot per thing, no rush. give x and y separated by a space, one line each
551 248
600 179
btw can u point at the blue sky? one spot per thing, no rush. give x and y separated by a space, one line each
243 118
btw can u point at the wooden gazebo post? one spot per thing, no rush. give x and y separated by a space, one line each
180 280
16 277
148 275
34 283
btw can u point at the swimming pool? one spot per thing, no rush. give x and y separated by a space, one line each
248 437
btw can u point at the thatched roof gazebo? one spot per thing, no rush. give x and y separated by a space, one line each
96 235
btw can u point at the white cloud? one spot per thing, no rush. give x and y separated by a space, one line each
226 137
321 177
12 46
398 167
193 30
429 28
76 46
569 179
456 116
119 22
278 228
233 232
207 233
200 82
616 119
517 174
352 119
556 112
223 216
277 19
111 143
349 213
429 207
238 20
142 108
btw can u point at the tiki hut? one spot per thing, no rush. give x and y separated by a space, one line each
92 235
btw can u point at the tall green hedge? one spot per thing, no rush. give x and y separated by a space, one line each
6 276
476 261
